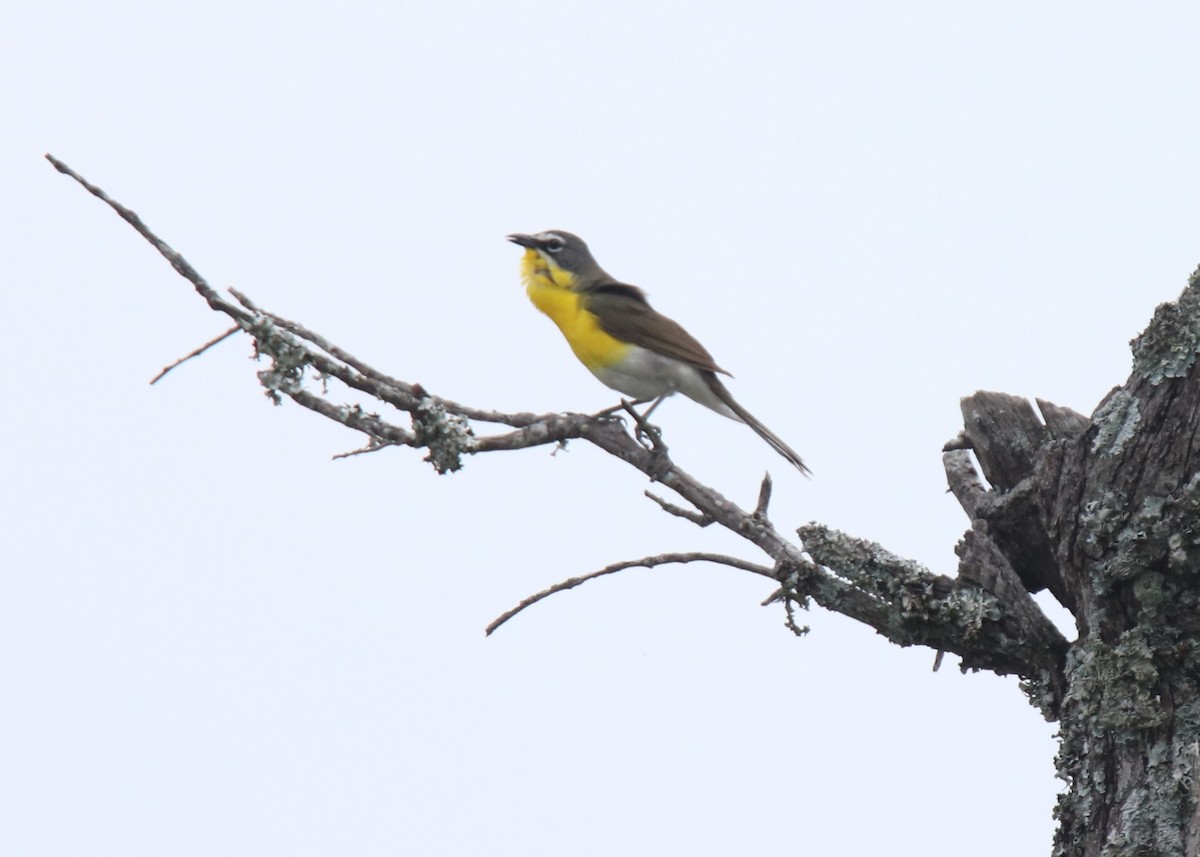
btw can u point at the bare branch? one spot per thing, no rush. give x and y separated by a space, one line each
901 601
764 497
645 562
372 446
195 353
177 261
1099 511
698 518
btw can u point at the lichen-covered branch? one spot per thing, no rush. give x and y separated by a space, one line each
960 615
1102 512
896 598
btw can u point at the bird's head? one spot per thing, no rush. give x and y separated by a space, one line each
559 259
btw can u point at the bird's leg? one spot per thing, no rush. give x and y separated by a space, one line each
626 405
649 435
644 433
650 409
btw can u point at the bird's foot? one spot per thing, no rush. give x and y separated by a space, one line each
645 432
648 435
626 406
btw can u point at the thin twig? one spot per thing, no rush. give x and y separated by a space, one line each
195 353
177 261
645 562
698 518
373 446
764 498
905 604
777 595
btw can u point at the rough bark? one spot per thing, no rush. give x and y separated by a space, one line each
1101 512
1105 514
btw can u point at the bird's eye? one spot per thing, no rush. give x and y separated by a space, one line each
554 244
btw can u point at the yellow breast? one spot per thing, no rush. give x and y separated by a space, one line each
550 291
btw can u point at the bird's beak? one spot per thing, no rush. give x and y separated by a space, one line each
524 240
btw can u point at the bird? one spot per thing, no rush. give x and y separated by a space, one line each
627 344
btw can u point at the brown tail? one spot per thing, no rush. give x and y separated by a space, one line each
722 393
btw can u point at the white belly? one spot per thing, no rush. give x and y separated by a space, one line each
645 374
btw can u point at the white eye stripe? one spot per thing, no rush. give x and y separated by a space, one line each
552 242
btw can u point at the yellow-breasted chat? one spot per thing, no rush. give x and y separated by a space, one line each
619 337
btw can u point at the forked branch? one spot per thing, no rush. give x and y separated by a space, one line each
899 599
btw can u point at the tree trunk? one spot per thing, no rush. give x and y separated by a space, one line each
1105 514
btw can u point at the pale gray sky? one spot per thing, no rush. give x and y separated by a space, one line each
216 640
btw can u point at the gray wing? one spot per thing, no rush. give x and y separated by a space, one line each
624 313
